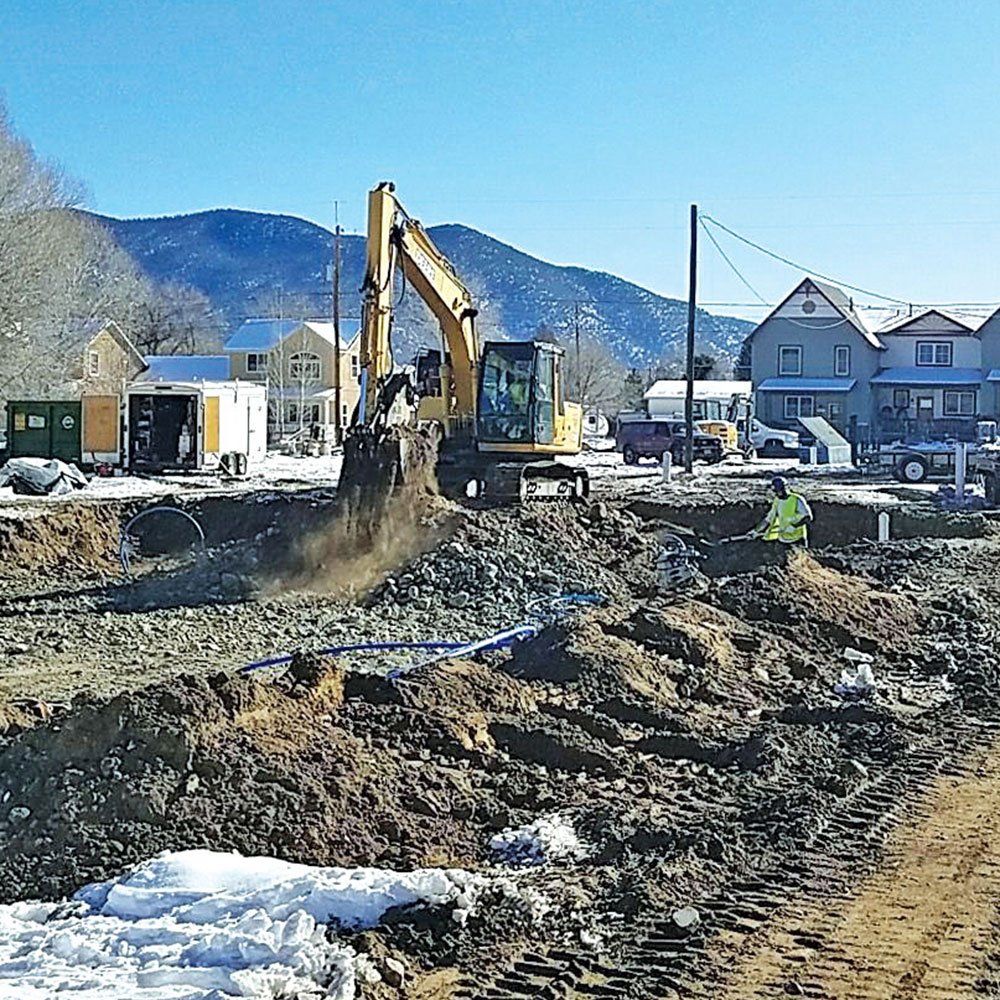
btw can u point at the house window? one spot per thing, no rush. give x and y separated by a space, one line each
959 404
901 399
355 366
305 367
842 360
307 413
798 406
344 415
934 352
93 362
790 360
256 362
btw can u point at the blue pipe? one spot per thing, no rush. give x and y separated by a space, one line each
499 640
354 647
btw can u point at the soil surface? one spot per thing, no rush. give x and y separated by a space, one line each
748 831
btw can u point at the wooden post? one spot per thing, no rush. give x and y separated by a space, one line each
338 424
689 389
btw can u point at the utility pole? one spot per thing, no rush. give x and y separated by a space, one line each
576 334
689 392
338 429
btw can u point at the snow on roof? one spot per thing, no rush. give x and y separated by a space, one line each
261 334
711 388
185 368
266 334
837 298
967 323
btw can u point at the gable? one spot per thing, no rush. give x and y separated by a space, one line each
931 323
815 306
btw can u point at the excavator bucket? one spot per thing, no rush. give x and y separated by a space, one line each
381 468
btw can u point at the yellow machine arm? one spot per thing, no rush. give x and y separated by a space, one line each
393 237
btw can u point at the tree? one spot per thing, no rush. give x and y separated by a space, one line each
60 271
597 379
704 365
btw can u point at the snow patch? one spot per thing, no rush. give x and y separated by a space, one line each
202 924
548 838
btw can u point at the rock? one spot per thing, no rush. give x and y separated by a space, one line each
18 813
801 670
793 989
458 600
685 920
393 972
191 785
853 655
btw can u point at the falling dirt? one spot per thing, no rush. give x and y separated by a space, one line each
388 511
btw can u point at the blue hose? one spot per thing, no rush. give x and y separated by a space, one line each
354 647
499 640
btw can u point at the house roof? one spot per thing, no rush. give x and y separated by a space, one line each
260 334
927 375
185 368
92 327
798 384
840 301
898 324
265 334
703 389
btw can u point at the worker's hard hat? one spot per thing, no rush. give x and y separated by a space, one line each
779 483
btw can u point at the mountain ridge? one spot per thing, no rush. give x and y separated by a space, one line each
251 263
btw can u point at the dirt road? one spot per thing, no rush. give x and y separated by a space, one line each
921 928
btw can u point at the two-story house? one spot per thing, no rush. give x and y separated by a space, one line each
930 383
989 341
813 356
296 360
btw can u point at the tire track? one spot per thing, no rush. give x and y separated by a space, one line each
916 930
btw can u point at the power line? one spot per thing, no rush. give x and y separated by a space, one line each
733 267
802 267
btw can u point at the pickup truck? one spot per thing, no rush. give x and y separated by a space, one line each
773 441
637 439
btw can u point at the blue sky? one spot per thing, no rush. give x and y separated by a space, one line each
859 138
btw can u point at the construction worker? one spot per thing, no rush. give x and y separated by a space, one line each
788 517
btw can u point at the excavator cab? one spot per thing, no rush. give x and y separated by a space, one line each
520 396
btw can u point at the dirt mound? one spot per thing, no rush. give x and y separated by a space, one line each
803 596
80 537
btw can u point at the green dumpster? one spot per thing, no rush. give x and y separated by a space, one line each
44 429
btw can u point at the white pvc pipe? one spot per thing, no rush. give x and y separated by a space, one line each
883 526
665 464
960 462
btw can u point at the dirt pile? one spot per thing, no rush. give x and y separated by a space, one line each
533 552
800 595
78 537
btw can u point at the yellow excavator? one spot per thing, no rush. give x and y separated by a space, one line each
492 417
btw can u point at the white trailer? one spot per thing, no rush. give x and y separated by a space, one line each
190 426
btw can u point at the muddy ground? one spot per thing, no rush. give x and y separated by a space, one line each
695 741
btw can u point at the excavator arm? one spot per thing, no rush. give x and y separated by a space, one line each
396 239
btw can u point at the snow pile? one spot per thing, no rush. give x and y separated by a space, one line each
548 838
205 924
857 682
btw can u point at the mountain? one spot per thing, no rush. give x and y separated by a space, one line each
252 264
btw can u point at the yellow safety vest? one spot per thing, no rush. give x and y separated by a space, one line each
780 527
